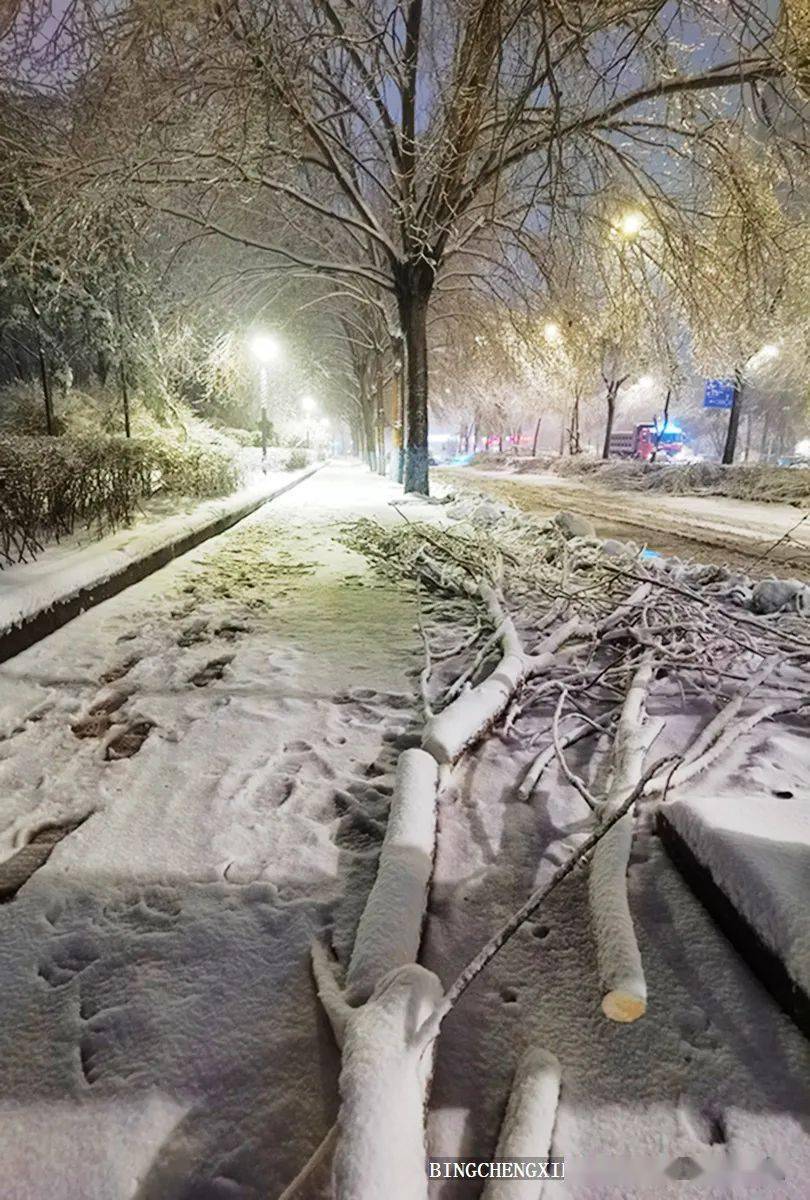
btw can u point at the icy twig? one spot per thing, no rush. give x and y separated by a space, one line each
570 775
330 993
740 617
318 1160
729 734
459 684
532 777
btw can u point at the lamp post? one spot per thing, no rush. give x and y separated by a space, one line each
266 350
308 407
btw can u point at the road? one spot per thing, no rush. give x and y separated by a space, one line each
742 534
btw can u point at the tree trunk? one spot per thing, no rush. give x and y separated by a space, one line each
369 433
46 387
733 421
536 437
763 443
573 429
380 413
611 416
414 285
122 369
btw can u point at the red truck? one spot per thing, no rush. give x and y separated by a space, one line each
640 442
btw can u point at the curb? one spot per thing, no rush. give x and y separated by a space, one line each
36 626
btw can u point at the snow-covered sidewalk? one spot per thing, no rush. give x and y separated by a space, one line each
83 562
227 731
159 1034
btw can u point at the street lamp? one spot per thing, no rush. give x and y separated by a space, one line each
266 349
308 407
765 354
631 223
552 332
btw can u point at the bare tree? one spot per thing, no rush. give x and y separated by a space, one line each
405 146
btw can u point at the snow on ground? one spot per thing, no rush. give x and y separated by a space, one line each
730 530
691 1100
757 848
159 1033
83 560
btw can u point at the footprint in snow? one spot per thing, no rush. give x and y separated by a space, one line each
68 956
118 670
155 910
93 726
194 632
129 741
212 671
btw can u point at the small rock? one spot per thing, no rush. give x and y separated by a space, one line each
773 595
614 548
486 513
573 525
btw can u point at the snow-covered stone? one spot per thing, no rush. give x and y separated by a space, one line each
757 850
613 548
487 513
574 525
774 595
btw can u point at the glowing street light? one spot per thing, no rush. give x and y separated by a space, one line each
266 348
308 405
552 332
631 223
765 354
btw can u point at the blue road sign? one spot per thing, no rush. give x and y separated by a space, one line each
719 393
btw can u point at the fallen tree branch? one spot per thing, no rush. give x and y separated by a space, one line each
529 1121
624 989
390 928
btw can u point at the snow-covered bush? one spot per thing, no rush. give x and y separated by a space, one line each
296 460
49 486
194 468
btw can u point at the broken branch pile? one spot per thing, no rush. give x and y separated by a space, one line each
540 638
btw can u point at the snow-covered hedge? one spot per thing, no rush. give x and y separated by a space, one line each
49 486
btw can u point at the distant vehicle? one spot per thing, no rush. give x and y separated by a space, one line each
640 442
